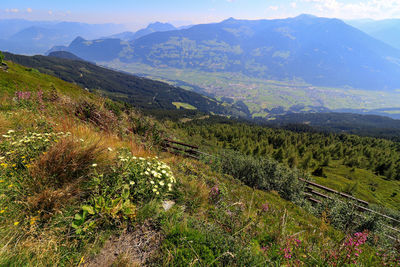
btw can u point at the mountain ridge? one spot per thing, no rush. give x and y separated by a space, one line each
319 51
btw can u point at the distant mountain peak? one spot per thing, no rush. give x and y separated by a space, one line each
230 19
305 16
78 39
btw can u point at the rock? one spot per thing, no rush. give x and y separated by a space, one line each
3 66
168 204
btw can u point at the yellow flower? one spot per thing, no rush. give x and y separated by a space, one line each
11 185
2 211
2 181
16 223
4 165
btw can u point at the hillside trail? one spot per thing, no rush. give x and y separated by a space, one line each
128 249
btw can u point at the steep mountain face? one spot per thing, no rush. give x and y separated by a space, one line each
141 92
27 37
385 30
319 51
151 28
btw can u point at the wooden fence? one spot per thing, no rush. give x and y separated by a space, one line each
312 190
182 149
314 196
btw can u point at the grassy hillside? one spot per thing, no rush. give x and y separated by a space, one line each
83 182
365 167
140 92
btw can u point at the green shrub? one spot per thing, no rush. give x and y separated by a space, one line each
261 173
115 194
345 216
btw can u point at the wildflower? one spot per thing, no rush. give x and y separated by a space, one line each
151 181
11 185
10 131
2 211
16 223
110 149
131 182
265 207
2 181
94 165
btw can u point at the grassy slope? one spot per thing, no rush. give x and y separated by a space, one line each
361 183
235 229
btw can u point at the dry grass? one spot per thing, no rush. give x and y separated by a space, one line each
65 162
4 123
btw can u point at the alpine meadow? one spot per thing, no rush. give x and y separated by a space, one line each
208 133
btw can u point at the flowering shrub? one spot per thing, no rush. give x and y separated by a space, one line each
217 192
18 151
291 245
27 98
350 250
148 177
115 194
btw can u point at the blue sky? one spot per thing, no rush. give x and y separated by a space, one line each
136 13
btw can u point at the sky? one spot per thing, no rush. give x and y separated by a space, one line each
137 13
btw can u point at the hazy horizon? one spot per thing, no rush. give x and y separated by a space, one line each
136 14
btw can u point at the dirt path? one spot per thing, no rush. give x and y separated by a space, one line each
129 249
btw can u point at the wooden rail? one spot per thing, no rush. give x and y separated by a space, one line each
334 191
311 193
179 148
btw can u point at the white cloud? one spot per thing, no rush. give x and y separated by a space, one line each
275 8
12 10
377 9
50 12
29 10
293 4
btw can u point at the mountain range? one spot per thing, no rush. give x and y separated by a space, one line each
317 51
151 28
386 30
36 37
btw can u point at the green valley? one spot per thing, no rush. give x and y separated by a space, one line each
263 95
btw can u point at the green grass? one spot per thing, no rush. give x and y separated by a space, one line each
180 105
362 184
